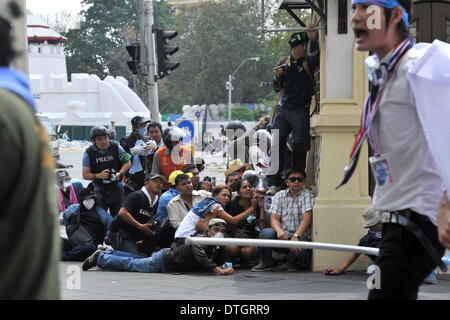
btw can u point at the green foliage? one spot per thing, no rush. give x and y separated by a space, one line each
213 42
98 46
242 113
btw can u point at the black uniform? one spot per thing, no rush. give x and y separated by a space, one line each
296 85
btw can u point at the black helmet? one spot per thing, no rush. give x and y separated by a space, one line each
235 125
98 131
298 38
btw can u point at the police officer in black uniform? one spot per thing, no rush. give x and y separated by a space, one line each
293 78
105 162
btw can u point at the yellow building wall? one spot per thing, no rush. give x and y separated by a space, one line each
338 213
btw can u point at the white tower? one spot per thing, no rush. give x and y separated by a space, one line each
47 62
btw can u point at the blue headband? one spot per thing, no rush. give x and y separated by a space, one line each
389 4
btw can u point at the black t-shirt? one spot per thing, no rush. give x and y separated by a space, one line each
91 221
372 241
139 207
244 228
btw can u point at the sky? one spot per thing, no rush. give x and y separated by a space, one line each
45 7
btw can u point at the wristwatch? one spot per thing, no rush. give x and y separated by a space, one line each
295 235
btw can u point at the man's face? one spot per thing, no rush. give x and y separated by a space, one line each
232 180
184 187
295 182
138 128
154 133
212 231
299 51
369 35
195 176
102 142
154 186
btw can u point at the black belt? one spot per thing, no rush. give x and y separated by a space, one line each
404 218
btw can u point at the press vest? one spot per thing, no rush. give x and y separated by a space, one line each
100 161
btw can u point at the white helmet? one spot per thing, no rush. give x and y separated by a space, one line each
261 136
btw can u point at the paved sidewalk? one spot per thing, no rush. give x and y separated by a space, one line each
244 285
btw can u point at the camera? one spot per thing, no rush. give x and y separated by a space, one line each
112 175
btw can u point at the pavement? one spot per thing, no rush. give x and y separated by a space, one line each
98 284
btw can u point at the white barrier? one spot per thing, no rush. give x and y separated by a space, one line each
281 244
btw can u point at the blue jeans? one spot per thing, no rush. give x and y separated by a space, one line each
125 261
78 253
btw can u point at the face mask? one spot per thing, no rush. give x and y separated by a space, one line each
142 131
218 235
89 203
66 185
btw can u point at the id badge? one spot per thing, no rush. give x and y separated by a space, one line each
381 170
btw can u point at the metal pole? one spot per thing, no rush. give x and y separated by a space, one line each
230 87
152 85
281 244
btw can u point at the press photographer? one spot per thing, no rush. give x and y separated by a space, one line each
105 162
293 79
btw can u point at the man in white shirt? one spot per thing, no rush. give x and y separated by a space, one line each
409 187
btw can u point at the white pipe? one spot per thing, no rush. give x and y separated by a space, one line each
281 244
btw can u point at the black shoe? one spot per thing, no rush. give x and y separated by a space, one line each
262 267
91 261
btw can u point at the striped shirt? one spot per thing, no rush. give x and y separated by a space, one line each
291 209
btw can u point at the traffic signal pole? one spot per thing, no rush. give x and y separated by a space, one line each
147 27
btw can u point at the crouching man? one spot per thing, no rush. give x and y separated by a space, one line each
86 225
185 258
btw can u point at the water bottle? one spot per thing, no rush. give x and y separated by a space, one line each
226 265
446 259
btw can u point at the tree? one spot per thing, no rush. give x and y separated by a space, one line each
213 42
242 113
98 45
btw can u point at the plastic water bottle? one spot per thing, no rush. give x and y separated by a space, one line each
226 265
446 259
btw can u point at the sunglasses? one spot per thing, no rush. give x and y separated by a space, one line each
299 179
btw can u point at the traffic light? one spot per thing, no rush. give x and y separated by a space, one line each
163 51
135 53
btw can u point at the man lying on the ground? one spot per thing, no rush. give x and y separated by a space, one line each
185 258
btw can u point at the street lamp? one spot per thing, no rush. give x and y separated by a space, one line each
229 84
